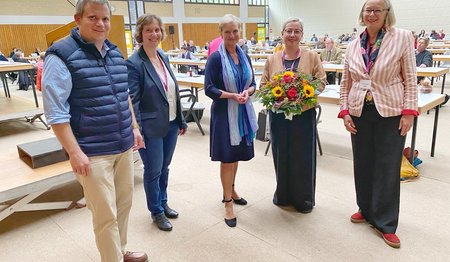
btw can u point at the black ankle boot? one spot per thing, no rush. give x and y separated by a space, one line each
162 222
169 212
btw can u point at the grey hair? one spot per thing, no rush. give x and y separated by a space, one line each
229 18
427 40
390 20
79 8
292 20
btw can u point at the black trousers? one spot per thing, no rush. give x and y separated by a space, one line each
331 78
377 157
294 157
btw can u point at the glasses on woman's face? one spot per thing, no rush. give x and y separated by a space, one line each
374 11
290 32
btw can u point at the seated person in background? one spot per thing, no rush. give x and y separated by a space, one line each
279 47
331 55
422 33
192 46
2 57
206 46
264 45
39 70
434 35
185 53
424 58
314 38
441 34
321 43
243 44
37 51
253 40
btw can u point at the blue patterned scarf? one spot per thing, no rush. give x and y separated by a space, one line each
370 54
241 118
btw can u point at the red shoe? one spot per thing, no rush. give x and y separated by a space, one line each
357 218
390 238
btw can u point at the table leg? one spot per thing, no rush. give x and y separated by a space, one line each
413 140
5 85
30 75
433 141
443 84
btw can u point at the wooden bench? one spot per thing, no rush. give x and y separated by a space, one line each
20 184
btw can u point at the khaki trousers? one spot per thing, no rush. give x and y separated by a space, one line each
109 192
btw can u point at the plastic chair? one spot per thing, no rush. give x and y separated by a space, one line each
190 107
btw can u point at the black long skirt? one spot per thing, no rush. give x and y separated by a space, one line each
294 157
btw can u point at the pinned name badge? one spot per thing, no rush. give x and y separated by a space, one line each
365 84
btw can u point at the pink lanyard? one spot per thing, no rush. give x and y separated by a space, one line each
164 80
297 57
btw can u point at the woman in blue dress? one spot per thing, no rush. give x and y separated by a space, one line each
229 81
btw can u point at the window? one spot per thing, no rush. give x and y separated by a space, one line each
258 2
213 2
163 1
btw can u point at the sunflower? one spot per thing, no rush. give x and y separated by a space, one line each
308 91
277 91
289 73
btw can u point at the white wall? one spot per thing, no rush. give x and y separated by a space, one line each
336 17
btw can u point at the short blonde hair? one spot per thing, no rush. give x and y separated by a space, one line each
390 20
144 20
292 20
229 18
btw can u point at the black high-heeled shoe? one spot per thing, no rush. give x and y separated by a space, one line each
241 201
232 222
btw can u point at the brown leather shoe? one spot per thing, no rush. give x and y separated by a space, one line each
135 257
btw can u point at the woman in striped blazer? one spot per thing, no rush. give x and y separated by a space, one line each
378 105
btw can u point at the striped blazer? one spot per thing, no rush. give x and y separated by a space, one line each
393 76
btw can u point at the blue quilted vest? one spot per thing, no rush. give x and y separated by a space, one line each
100 116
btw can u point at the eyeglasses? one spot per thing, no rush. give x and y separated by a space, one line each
374 11
296 32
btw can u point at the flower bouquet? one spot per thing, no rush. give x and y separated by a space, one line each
288 92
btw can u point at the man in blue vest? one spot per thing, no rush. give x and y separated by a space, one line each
85 92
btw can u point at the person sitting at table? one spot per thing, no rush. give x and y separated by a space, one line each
422 33
441 34
314 38
424 58
434 35
331 55
192 47
2 57
321 43
185 54
243 45
39 66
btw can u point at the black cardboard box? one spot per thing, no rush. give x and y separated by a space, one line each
42 153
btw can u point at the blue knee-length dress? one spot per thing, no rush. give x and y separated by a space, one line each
220 144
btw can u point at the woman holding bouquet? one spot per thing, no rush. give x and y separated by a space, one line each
294 141
378 105
229 81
